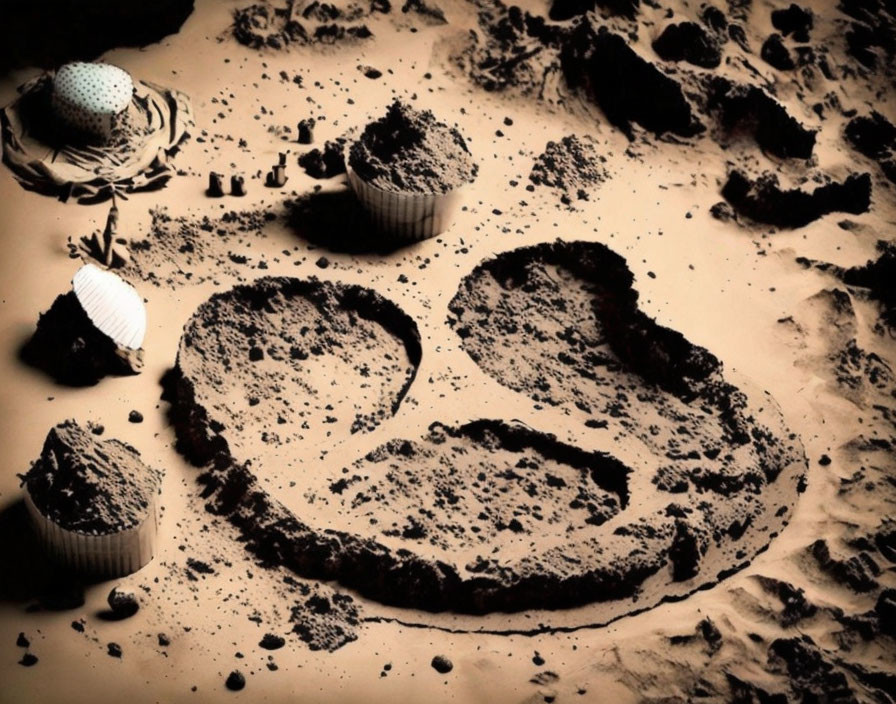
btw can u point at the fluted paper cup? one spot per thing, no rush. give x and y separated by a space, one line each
406 217
108 556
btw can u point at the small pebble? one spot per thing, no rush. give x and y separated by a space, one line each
272 642
135 417
235 681
123 602
442 664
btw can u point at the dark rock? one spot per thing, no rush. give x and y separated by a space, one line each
885 538
743 692
794 20
237 185
215 185
164 641
235 681
442 665
796 606
431 13
812 677
114 650
722 211
742 107
877 276
28 660
135 417
764 201
714 18
857 572
123 603
22 641
774 53
688 548
607 68
688 41
568 9
873 35
875 137
306 130
738 35
272 642
326 162
886 611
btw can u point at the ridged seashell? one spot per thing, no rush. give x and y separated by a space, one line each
89 96
112 304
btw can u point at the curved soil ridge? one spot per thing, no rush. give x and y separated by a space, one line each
703 506
248 352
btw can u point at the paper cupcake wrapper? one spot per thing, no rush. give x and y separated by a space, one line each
114 555
406 217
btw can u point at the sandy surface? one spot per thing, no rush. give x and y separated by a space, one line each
732 287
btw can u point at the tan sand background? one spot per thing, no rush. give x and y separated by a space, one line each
722 286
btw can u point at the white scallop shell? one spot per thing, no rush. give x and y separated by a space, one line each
112 304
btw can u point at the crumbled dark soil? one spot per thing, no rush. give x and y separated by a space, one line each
90 486
571 166
186 250
264 25
246 353
764 201
67 346
325 163
513 51
412 559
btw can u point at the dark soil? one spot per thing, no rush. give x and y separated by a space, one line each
764 201
90 486
68 347
409 150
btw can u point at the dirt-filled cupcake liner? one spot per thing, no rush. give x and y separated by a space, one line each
39 148
410 172
93 503
406 217
114 555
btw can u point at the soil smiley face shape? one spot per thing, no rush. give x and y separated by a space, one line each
674 478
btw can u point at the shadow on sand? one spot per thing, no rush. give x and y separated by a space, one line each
335 220
27 574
